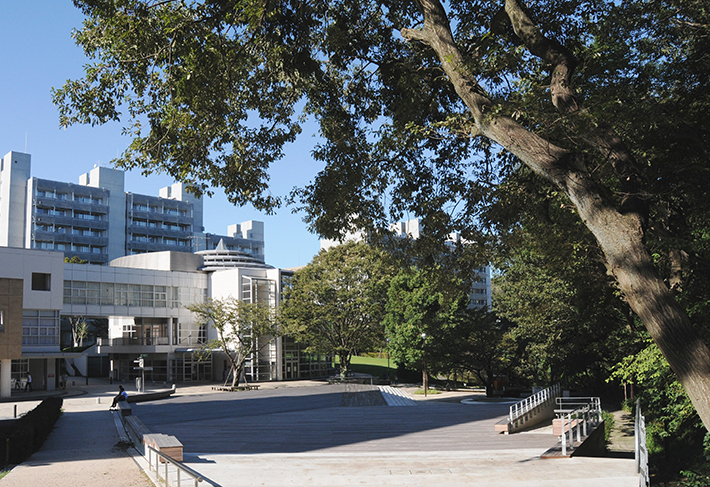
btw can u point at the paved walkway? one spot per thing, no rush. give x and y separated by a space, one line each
300 433
82 449
621 439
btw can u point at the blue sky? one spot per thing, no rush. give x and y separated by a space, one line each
37 54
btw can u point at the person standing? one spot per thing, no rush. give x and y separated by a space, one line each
28 385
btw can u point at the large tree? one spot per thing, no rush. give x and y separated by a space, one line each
335 304
405 92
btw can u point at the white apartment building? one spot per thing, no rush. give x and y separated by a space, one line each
97 221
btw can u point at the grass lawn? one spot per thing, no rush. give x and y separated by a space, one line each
376 367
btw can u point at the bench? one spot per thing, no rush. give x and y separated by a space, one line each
247 387
137 429
166 444
125 408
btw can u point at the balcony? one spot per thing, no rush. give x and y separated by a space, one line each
159 344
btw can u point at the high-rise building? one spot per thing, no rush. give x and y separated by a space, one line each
97 221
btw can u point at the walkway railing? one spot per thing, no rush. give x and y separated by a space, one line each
177 472
577 413
520 409
641 452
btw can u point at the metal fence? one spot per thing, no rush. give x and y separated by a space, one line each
521 408
172 472
580 414
641 452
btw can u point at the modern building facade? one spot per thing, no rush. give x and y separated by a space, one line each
144 298
97 221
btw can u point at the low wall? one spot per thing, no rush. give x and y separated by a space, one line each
537 415
594 445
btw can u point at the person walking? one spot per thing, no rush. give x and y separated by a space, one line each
28 385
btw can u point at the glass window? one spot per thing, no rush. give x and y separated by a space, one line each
41 281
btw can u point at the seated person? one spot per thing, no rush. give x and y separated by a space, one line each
121 396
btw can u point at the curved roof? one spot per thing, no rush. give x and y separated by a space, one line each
221 258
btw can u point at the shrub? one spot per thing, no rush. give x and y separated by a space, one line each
21 438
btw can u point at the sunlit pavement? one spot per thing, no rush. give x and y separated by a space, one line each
297 433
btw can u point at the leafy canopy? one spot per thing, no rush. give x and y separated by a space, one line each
335 304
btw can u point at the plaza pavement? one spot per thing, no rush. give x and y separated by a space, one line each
300 434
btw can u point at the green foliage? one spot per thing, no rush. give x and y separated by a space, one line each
674 431
75 260
608 425
336 303
27 434
419 316
241 328
211 91
481 344
571 324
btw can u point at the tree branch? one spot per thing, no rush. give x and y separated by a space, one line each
562 60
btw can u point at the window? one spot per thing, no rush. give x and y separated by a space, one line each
40 327
41 282
19 369
2 322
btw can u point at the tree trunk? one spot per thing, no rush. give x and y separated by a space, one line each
619 235
344 365
425 380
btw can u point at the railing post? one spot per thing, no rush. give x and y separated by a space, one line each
563 438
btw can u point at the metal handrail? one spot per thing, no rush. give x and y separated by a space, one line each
640 448
521 408
587 414
180 467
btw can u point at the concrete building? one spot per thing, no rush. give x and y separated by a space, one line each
143 297
97 221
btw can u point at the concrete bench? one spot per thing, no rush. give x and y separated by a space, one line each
125 408
166 444
502 426
237 388
137 429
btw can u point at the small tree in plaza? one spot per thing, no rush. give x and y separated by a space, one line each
239 325
336 303
79 330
